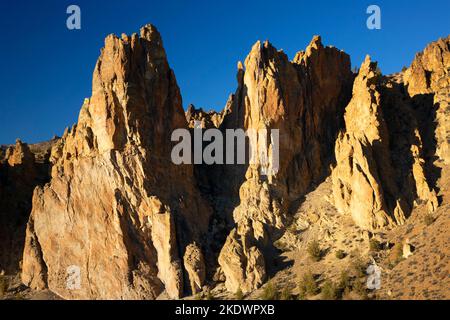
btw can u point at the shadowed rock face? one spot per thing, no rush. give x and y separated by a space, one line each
137 225
116 207
20 171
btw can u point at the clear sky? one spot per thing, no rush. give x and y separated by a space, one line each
46 69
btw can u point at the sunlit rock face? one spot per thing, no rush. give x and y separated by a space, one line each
116 206
428 77
362 154
395 131
135 225
304 99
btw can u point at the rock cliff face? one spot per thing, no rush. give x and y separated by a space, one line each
385 156
21 170
133 225
428 78
117 208
303 99
206 120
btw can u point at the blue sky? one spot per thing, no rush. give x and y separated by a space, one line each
46 69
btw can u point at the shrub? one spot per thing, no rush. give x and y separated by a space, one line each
286 294
344 281
3 285
301 296
209 295
269 292
397 254
359 267
239 295
374 245
307 285
359 287
346 294
340 254
329 291
428 219
198 296
314 251
18 296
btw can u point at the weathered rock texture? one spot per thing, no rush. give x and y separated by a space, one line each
394 131
206 120
117 207
194 263
364 167
136 225
428 77
304 100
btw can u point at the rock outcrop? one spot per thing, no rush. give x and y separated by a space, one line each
363 174
385 157
206 120
428 78
429 72
117 209
304 100
194 263
21 170
120 220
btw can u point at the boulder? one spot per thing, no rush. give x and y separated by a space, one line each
194 263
